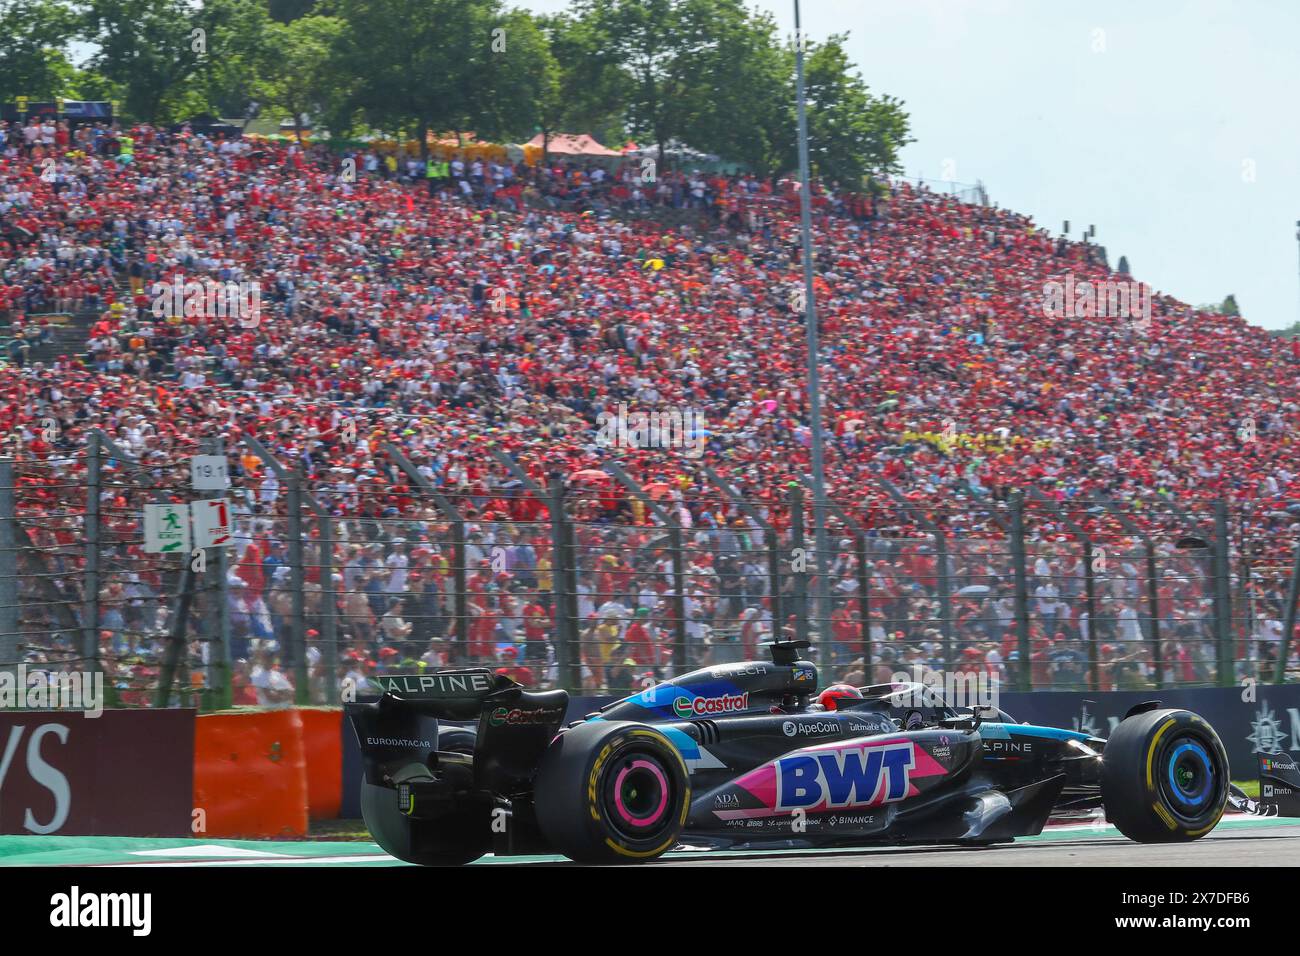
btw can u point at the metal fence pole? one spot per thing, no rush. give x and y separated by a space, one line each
1153 600
774 583
864 576
773 547
799 546
329 624
1153 585
90 603
945 596
175 637
673 524
1089 581
458 648
864 605
222 654
681 655
1024 675
10 639
1222 595
460 573
939 534
1288 617
1090 604
564 582
298 656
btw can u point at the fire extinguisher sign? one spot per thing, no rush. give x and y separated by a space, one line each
214 525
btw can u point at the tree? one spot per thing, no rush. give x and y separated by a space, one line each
851 133
299 70
149 49
584 89
446 65
33 37
653 41
240 50
744 105
286 11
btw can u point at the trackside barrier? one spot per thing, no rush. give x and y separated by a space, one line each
123 773
250 773
322 738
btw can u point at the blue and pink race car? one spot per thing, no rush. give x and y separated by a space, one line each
749 755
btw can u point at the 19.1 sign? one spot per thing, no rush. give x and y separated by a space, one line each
208 473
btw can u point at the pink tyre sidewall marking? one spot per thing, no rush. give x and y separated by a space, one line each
658 811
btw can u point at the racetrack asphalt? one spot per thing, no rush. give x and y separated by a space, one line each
1237 841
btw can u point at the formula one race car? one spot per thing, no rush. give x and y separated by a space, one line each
742 755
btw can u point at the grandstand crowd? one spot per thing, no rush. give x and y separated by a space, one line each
512 305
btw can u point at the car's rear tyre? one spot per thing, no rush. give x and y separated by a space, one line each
1164 777
612 792
459 837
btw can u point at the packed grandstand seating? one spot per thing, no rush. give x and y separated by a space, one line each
509 306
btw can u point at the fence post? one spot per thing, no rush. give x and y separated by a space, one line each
90 606
329 628
681 655
460 581
774 582
864 606
293 504
773 548
1153 584
864 577
1222 595
1090 604
564 586
175 637
798 545
10 638
1288 617
460 573
1153 601
940 537
1089 581
222 655
945 596
674 527
1024 674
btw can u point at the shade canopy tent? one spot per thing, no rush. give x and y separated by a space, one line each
573 144
570 146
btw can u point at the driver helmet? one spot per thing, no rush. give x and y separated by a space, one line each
831 696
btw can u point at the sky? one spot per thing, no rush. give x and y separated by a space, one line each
1170 126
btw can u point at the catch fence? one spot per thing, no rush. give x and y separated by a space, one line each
602 584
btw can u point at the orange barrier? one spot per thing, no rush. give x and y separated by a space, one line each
322 735
250 773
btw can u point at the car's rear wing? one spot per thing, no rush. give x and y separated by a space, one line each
452 694
400 728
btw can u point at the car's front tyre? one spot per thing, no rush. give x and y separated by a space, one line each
1164 777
